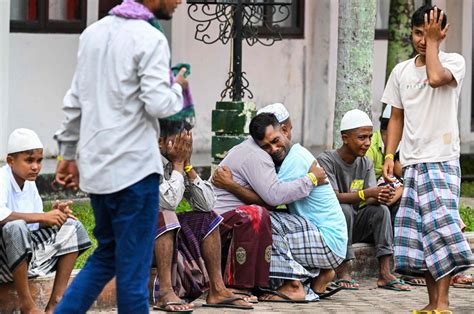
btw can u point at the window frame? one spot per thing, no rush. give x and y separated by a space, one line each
287 32
45 25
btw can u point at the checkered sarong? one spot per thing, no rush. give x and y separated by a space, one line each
298 249
427 226
41 247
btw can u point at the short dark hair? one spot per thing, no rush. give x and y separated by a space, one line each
172 127
418 18
259 125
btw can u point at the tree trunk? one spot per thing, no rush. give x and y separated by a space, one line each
355 58
399 33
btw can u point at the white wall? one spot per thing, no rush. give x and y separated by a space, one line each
4 66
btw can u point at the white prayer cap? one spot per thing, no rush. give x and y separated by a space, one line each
277 109
21 140
355 119
387 112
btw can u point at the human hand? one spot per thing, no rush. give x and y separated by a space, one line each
385 194
222 177
180 79
67 174
189 145
54 217
319 173
177 150
387 170
432 27
64 206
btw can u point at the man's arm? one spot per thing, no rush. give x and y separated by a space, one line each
160 98
395 130
437 74
201 195
222 178
54 217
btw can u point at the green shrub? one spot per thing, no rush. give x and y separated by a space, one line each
467 216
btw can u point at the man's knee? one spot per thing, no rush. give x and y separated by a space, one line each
379 212
15 227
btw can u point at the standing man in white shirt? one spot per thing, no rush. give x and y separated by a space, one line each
424 94
120 87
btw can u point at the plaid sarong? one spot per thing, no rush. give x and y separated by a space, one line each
428 233
189 276
41 247
299 249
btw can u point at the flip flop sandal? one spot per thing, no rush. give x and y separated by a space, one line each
352 282
229 303
410 280
329 292
246 294
390 285
163 307
285 298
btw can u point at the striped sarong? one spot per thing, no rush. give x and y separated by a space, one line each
189 276
428 233
41 247
298 249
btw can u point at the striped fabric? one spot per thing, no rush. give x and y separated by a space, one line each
189 276
427 226
299 249
41 247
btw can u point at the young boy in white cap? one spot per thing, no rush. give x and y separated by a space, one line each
32 242
352 177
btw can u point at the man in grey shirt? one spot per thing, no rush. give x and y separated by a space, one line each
352 176
247 175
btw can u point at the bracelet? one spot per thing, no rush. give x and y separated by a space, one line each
59 158
391 156
313 178
362 195
188 168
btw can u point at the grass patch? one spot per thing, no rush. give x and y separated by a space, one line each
467 216
467 189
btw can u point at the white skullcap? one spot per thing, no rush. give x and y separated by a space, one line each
21 140
277 109
355 119
387 112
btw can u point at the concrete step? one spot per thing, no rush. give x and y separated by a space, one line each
41 290
365 266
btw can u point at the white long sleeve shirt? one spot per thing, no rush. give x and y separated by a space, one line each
120 87
15 199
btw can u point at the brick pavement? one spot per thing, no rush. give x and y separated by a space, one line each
368 299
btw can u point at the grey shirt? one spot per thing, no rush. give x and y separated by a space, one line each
175 186
348 178
253 168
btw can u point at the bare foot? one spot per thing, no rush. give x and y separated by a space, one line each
386 278
217 296
246 294
320 283
291 288
168 296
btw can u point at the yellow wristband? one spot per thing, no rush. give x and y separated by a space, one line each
391 156
59 158
362 195
312 178
188 168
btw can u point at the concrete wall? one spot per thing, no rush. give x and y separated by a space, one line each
36 71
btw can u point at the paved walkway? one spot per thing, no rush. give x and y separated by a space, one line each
368 299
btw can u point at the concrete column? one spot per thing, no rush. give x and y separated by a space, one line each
320 88
4 73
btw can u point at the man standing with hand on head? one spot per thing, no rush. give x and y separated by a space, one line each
425 91
120 87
